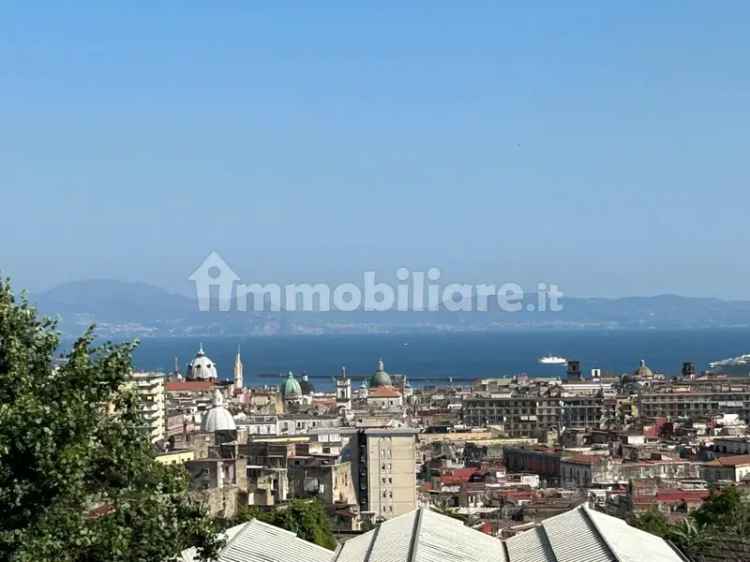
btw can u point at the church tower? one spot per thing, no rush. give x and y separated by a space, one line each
344 390
239 383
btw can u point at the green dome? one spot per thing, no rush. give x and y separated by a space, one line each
291 387
380 377
643 371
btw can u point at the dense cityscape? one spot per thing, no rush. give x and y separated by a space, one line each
508 457
374 282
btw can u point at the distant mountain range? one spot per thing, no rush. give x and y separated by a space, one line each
131 309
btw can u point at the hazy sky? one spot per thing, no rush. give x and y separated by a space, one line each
601 147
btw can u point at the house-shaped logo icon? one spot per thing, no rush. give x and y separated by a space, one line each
214 272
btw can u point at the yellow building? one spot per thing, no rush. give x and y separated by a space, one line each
178 456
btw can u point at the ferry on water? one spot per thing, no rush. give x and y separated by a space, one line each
552 360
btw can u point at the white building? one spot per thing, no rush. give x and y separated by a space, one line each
299 424
344 391
150 390
258 425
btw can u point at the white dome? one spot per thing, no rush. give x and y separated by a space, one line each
218 417
202 367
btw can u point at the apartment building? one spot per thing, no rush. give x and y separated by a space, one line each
699 398
523 414
384 470
150 389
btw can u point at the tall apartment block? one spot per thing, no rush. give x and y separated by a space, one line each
150 389
384 470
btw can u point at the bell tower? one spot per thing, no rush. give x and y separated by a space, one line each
344 390
239 382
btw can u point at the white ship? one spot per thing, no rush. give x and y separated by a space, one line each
552 360
734 366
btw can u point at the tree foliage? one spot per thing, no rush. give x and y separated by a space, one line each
725 510
308 519
653 522
724 516
78 482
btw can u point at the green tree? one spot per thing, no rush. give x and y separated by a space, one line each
689 536
725 509
724 518
307 518
79 483
652 521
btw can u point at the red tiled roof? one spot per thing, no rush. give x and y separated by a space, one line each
189 386
457 476
672 496
383 392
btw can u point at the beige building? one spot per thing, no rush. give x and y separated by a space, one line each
384 398
150 389
541 409
384 470
734 468
696 398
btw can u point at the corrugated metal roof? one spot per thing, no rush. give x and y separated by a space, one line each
391 542
443 539
628 543
586 535
578 535
531 546
355 550
259 542
573 539
422 536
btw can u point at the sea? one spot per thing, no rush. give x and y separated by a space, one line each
431 358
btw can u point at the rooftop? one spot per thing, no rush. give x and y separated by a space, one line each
457 476
733 460
189 386
578 535
383 392
256 541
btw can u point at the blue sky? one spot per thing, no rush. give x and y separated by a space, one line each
600 147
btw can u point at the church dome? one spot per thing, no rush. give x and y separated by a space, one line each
291 388
218 417
202 368
643 371
380 377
